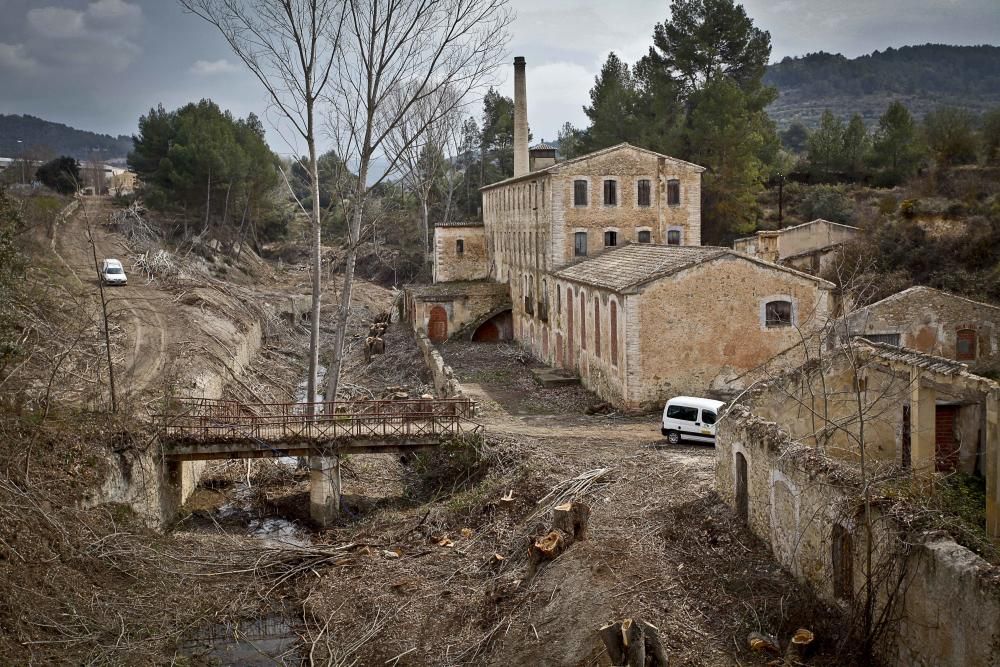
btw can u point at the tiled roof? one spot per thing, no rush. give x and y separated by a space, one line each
542 146
918 290
910 357
460 223
637 263
558 166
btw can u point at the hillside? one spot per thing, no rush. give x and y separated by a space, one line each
51 139
922 77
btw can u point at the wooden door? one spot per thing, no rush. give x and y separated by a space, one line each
945 445
904 459
437 327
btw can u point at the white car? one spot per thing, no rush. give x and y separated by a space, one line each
112 272
690 418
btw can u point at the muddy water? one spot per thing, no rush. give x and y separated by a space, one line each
269 640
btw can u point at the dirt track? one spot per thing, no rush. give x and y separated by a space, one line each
154 322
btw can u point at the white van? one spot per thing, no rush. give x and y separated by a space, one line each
112 272
689 418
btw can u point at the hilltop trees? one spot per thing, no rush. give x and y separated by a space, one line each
895 147
951 136
200 158
697 95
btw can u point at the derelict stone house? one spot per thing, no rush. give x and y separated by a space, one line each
596 265
931 321
812 246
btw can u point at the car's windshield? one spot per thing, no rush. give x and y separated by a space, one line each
114 270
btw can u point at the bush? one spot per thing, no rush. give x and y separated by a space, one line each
827 202
61 174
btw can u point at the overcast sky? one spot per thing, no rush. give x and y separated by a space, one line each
99 64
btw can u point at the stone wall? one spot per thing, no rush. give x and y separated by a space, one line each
472 263
806 507
464 304
445 383
928 320
704 329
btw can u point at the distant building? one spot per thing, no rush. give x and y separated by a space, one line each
811 246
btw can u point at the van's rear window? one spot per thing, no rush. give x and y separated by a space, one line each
683 413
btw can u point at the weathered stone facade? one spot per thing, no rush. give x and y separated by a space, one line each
460 252
643 323
931 321
812 246
807 508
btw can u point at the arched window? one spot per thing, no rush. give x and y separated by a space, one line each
597 325
614 332
583 320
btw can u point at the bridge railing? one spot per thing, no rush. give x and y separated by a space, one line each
201 419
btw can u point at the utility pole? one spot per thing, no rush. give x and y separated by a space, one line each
22 162
781 196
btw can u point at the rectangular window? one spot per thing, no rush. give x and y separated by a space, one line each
610 239
887 338
643 194
778 313
580 244
645 236
673 192
965 345
459 246
610 193
674 237
579 193
708 417
683 413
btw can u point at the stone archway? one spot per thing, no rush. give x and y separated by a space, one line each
497 327
437 325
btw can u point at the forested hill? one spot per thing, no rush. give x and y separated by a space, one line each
43 138
922 77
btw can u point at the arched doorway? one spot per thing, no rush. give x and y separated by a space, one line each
497 328
437 326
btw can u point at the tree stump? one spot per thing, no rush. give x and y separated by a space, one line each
799 647
760 642
633 643
572 519
545 548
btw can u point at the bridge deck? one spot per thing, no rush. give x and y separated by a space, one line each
203 429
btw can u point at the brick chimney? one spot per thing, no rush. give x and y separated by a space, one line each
520 119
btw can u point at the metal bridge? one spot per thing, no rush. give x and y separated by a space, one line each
202 429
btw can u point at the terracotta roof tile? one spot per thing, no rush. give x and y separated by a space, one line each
637 263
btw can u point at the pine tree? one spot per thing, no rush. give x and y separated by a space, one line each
612 100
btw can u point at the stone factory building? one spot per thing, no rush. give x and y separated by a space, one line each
812 246
934 322
596 265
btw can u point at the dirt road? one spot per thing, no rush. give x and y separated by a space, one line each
152 320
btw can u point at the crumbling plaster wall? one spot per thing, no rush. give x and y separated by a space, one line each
928 320
949 612
464 303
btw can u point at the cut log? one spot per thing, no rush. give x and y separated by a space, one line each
799 647
761 643
656 655
572 519
635 643
551 545
611 635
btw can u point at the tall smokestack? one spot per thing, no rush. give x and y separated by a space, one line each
520 119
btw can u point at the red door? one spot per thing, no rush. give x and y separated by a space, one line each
437 327
945 446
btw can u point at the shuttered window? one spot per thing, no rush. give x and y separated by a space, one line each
610 193
643 192
579 193
673 192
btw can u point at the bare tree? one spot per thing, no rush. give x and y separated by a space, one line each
395 57
291 46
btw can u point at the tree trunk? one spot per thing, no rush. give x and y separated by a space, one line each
208 199
316 234
425 229
346 292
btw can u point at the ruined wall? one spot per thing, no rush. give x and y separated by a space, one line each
949 612
446 385
928 320
472 263
812 236
703 328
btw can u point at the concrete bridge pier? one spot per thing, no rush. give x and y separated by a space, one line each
324 489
